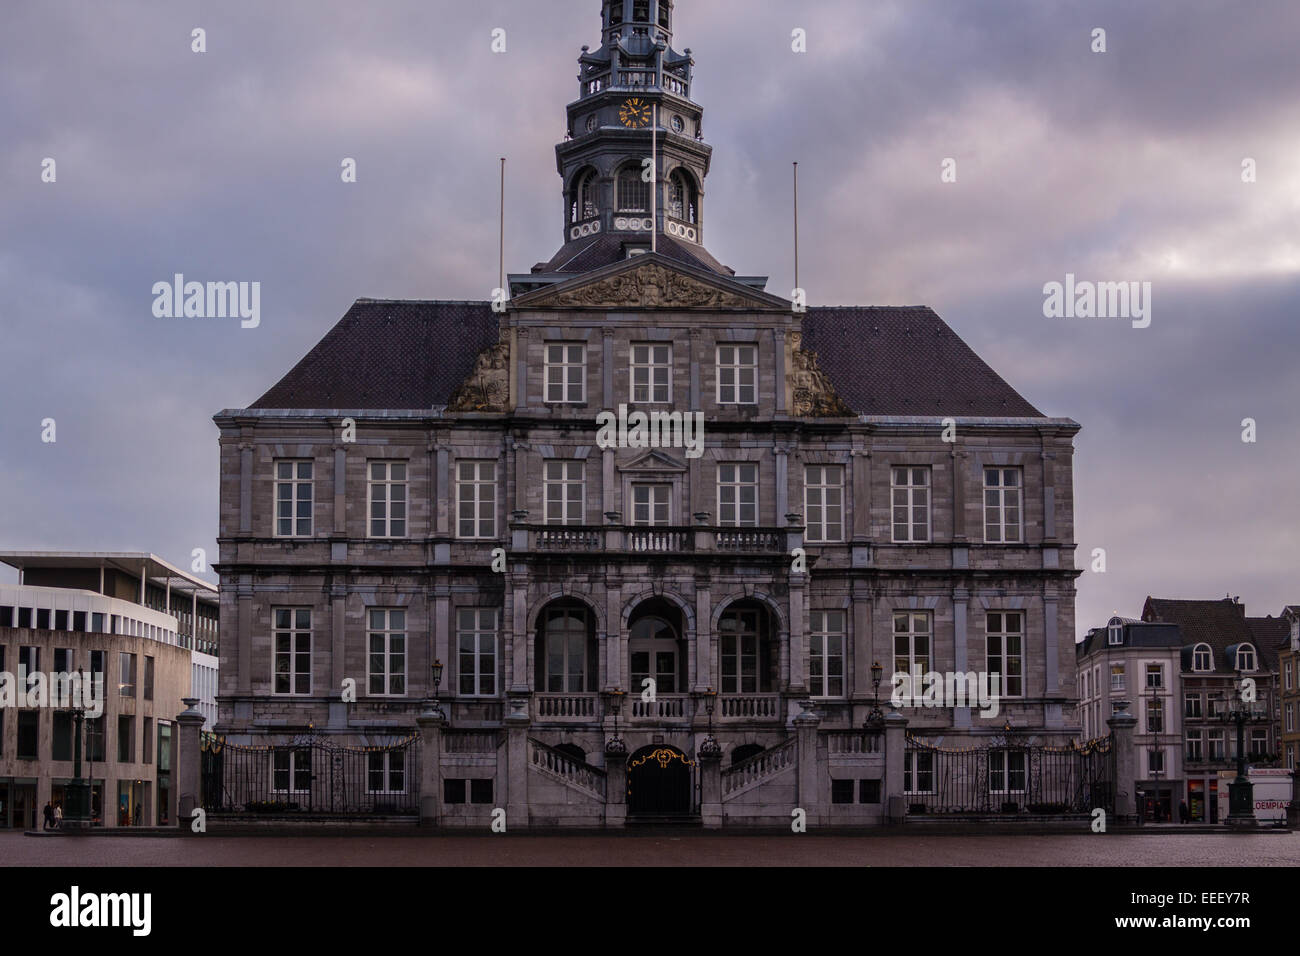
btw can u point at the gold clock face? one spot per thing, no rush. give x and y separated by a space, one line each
634 113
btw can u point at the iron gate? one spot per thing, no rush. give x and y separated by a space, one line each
310 775
1008 777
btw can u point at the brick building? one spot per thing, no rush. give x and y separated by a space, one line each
429 484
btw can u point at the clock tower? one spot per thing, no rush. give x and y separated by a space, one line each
605 159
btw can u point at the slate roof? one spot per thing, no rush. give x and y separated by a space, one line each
384 354
1221 624
413 354
593 252
1136 634
905 360
1271 632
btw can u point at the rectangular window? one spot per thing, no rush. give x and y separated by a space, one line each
1286 670
29 663
29 723
652 374
651 504
97 739
918 772
79 621
868 791
826 654
148 678
1002 505
386 772
146 740
1258 741
738 496
1006 636
566 373
1007 771
476 635
480 790
910 499
476 499
388 499
1155 675
824 503
453 790
912 632
1290 719
125 739
62 660
291 770
1156 761
61 742
565 488
293 499
1192 705
126 675
97 622
1195 746
737 374
1116 676
6 615
60 620
387 640
1155 716
842 790
43 619
292 650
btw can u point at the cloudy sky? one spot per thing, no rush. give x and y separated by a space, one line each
1122 165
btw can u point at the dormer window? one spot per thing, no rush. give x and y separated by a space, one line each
1245 658
1202 658
1115 634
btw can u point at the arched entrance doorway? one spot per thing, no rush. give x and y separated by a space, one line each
659 781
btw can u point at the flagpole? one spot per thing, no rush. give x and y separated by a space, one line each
654 182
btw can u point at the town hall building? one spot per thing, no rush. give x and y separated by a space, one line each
430 557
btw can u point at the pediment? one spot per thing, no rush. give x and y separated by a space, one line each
653 461
651 281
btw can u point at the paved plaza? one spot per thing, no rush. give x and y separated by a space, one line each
1180 850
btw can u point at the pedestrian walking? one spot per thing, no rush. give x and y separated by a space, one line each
1183 813
58 816
49 817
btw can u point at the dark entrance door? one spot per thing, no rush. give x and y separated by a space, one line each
659 781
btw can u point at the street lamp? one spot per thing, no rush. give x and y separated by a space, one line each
437 683
875 716
615 746
75 814
1239 711
710 747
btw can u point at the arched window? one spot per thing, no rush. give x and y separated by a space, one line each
1115 632
745 648
681 197
1245 658
1202 658
582 202
633 193
566 649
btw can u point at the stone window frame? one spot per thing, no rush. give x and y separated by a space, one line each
1002 490
387 632
1003 633
738 504
651 366
477 631
910 634
564 482
389 483
910 488
477 483
816 532
824 632
735 366
296 481
566 366
294 631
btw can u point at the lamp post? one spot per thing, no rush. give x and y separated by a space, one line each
1239 711
1155 748
875 717
710 747
615 746
75 814
434 708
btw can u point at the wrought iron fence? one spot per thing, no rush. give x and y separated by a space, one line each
310 775
1009 777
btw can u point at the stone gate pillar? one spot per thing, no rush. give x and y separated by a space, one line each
616 789
710 755
811 770
189 762
430 724
516 776
893 796
1122 724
